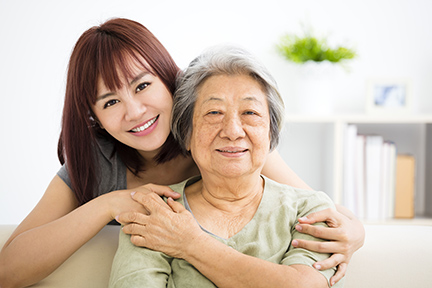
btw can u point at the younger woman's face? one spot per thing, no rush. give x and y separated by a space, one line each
139 113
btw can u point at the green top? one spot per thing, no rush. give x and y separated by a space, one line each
267 236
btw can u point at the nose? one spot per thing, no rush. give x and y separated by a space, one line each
232 127
134 109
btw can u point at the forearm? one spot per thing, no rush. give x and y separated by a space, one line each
276 169
34 254
226 267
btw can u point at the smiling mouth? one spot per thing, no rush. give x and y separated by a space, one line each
145 126
232 151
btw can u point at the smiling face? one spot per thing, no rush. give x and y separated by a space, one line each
138 114
231 126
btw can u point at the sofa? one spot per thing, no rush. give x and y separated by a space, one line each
392 256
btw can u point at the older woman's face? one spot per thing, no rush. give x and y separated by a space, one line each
231 126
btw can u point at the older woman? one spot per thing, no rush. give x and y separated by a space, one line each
228 115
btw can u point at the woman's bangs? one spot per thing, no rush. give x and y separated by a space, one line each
119 64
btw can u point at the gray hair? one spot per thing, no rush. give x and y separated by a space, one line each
222 60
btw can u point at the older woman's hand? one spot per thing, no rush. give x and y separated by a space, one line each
168 228
346 234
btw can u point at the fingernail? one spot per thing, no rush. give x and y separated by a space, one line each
303 218
299 228
117 218
332 283
318 267
294 243
133 193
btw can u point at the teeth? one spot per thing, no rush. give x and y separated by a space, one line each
145 126
228 151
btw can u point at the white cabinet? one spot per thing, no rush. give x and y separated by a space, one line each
313 146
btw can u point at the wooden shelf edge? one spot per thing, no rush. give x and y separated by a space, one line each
358 118
418 221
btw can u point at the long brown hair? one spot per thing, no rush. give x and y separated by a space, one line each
100 52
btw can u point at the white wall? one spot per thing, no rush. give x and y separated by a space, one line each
392 39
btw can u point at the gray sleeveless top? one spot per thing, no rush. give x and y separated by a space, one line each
112 170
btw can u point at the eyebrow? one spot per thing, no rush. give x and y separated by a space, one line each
248 98
133 81
138 77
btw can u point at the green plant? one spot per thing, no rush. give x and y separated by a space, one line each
309 48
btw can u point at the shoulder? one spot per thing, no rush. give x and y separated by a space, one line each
180 187
302 200
112 170
104 147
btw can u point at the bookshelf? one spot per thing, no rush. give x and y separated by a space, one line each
313 146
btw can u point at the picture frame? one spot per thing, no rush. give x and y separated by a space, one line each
388 96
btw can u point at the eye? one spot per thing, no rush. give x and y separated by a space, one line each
214 113
110 103
250 113
142 86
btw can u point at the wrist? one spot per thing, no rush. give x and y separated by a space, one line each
105 205
199 247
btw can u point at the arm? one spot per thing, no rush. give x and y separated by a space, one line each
276 169
138 267
345 240
342 227
235 269
54 230
221 264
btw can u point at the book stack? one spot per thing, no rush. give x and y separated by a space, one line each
378 183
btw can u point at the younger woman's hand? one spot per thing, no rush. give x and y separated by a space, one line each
166 227
346 235
121 201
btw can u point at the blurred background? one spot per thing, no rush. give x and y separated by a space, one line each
392 40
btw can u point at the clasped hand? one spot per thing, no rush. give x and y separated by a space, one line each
166 227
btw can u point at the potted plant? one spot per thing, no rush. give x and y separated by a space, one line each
315 80
309 48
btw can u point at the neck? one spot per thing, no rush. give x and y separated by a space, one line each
225 207
232 195
149 157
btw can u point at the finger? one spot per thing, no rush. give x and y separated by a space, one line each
321 232
163 191
131 217
152 202
316 246
175 206
138 240
332 261
134 229
330 216
340 273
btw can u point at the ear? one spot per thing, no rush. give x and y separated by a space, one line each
94 120
188 143
100 124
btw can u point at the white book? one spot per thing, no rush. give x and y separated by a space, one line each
392 180
360 176
388 170
349 191
373 154
385 180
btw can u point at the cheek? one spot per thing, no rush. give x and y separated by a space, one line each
261 138
203 136
110 120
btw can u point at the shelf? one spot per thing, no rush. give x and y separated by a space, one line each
313 146
358 118
412 222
